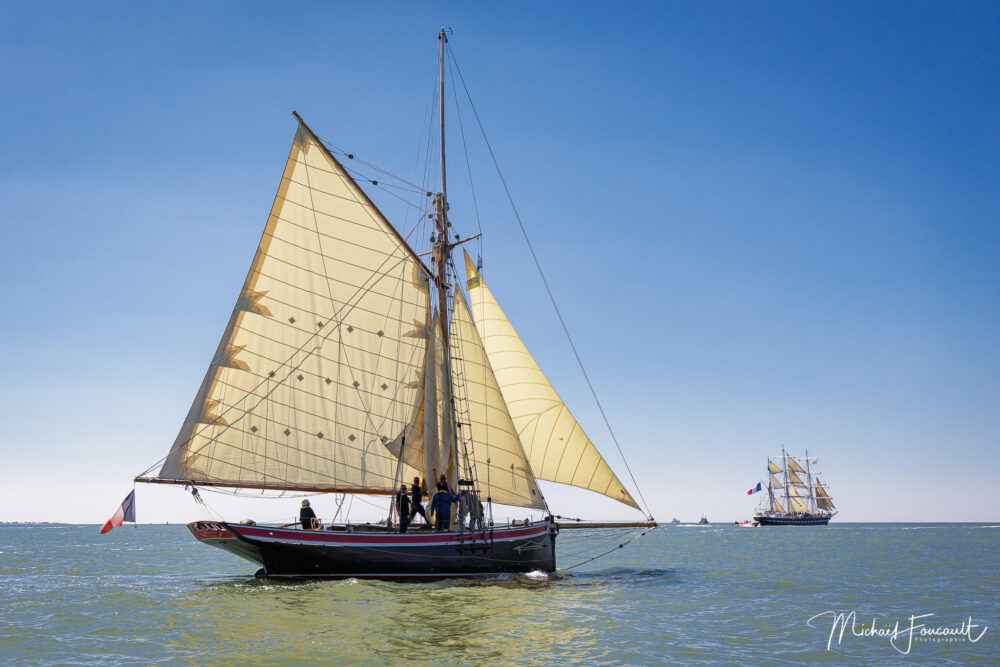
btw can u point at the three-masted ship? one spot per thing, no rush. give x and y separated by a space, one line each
795 494
350 365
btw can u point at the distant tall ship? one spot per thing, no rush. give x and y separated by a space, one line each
795 495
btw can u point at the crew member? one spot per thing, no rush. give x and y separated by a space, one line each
443 484
417 493
307 517
403 507
441 509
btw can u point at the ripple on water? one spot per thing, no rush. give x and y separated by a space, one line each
155 595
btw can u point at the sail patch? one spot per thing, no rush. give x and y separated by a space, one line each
227 358
250 302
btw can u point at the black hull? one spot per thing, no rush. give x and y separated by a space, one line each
792 521
286 552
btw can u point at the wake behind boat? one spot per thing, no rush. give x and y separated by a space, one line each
349 366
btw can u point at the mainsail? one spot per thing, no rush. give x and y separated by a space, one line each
797 505
557 448
322 362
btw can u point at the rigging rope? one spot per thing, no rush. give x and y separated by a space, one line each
601 555
541 273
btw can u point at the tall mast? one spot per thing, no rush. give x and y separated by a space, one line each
784 461
809 482
442 256
442 40
770 489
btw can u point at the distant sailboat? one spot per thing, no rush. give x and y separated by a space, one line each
349 366
792 500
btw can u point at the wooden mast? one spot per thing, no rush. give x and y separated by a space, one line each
788 497
770 488
442 257
809 482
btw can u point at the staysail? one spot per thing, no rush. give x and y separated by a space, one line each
502 467
557 448
325 354
775 483
773 467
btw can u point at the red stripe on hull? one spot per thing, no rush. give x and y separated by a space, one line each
330 537
285 552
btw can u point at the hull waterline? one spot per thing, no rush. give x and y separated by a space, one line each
290 552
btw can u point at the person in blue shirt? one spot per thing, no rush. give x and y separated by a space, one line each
441 508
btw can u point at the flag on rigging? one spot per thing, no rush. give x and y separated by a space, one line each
754 489
125 512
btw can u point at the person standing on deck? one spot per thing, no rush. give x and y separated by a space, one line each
441 509
403 507
417 494
307 517
444 485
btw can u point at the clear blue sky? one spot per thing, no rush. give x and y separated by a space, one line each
765 224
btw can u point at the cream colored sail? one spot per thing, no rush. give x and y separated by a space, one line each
778 506
795 479
424 448
823 500
501 465
557 448
794 465
437 431
796 504
773 467
775 483
323 358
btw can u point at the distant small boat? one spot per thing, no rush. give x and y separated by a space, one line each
745 524
810 507
703 521
675 520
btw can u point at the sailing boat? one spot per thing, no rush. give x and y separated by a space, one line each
792 501
350 366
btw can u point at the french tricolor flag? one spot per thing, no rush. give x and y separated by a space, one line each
754 489
125 512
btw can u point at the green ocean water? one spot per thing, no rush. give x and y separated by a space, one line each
682 594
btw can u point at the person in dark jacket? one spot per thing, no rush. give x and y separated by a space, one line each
417 507
444 485
307 517
441 509
403 507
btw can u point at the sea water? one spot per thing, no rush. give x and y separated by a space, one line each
919 593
